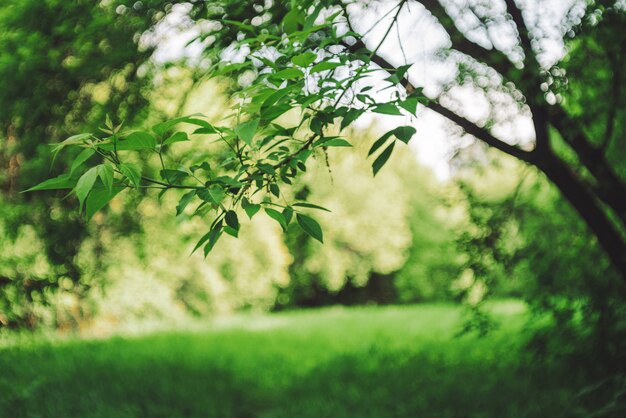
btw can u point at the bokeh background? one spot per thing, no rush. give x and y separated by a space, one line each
468 286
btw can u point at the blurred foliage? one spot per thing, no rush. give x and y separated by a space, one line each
132 273
377 237
144 280
400 237
63 66
498 229
594 86
524 240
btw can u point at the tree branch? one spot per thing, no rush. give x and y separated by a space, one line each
610 187
584 201
616 87
492 57
480 133
522 29
470 127
532 78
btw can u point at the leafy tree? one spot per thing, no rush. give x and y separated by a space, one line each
589 180
529 241
313 58
63 66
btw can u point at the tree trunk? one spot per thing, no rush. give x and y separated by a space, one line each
610 187
587 205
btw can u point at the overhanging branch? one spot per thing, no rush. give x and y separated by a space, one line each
522 28
469 126
480 133
492 57
610 187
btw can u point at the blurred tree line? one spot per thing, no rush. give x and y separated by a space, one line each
65 65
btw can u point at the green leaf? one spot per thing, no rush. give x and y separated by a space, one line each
204 166
266 168
317 124
229 181
304 155
267 62
325 66
229 68
310 226
289 74
84 185
58 183
398 75
404 133
105 172
99 197
162 128
204 239
177 137
232 220
274 112
173 176
133 142
184 201
132 173
387 109
217 194
310 19
308 100
288 214
410 105
214 235
250 208
277 216
310 205
382 158
336 142
246 130
402 70
304 60
72 140
379 142
269 102
81 158
274 189
231 231
107 121
206 131
239 25
351 116
136 141
292 21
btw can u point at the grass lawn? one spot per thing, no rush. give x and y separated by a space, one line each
357 362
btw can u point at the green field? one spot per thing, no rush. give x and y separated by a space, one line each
358 362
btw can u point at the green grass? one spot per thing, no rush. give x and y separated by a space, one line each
360 362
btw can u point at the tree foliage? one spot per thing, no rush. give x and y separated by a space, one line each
258 154
63 66
528 242
311 58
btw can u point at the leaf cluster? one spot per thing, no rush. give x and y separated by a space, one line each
303 70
